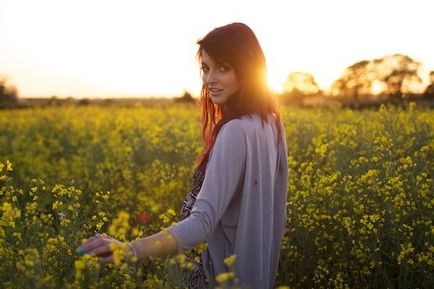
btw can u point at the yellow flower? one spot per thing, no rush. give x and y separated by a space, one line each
223 277
230 260
18 236
120 226
118 252
6 206
57 204
79 265
8 166
157 244
406 250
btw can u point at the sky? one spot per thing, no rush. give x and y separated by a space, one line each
141 48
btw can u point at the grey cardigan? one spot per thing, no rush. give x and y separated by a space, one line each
241 207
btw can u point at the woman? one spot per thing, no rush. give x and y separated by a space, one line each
237 203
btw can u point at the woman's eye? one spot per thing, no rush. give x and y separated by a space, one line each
224 68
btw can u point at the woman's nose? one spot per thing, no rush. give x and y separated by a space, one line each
210 78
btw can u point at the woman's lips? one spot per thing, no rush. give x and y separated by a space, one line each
215 92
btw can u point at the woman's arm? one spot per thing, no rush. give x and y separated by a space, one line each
223 178
161 244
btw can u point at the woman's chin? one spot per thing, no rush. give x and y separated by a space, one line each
219 99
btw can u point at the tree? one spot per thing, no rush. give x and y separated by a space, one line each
8 93
301 83
392 75
298 86
400 73
186 98
356 81
429 91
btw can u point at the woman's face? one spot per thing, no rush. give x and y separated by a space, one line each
219 79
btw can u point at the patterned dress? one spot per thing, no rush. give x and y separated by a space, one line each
195 278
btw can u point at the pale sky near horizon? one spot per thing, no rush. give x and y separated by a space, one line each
133 48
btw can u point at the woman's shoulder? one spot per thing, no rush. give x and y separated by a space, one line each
241 124
254 120
243 120
246 124
233 127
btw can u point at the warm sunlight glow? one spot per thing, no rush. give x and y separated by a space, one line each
377 87
140 48
275 82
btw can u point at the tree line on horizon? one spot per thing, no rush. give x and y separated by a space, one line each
389 78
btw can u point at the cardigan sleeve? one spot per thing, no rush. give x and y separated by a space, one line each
224 174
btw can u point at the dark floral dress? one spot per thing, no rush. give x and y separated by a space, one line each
193 278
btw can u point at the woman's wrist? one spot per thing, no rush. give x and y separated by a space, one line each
136 249
134 256
161 244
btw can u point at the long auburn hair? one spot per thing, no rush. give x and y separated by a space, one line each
237 45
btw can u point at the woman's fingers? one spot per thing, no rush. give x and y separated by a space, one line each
94 243
107 260
97 236
102 250
99 246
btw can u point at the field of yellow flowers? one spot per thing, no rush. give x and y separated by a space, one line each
360 194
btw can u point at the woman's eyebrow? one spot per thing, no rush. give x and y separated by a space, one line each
218 63
226 63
